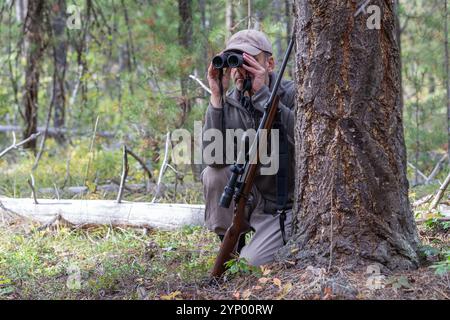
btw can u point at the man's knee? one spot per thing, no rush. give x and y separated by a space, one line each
215 177
217 219
257 258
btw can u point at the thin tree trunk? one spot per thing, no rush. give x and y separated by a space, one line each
288 14
352 205
229 18
447 74
185 40
249 13
21 10
417 144
399 43
277 16
60 64
34 38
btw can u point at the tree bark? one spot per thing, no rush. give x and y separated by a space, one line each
399 41
288 6
277 19
60 63
447 74
352 205
34 39
185 40
229 19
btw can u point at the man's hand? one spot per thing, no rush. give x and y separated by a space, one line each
256 70
214 84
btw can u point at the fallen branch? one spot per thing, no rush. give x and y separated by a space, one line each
124 174
419 221
163 167
16 145
141 162
53 132
440 193
33 191
200 82
117 182
418 171
436 169
422 200
91 147
42 145
113 187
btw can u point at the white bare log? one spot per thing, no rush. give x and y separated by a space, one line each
107 212
55 131
114 188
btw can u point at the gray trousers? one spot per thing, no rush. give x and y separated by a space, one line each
267 238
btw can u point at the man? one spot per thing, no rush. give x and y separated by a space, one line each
242 108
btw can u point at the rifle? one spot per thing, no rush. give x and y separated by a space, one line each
242 178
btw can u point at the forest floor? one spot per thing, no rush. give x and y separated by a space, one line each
124 263
63 262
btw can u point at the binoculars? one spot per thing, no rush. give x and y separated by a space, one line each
228 59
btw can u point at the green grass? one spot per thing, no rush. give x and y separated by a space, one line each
101 262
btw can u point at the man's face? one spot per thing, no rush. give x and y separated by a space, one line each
239 74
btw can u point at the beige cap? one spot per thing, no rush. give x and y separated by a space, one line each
250 41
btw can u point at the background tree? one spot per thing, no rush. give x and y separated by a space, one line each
59 46
34 38
126 62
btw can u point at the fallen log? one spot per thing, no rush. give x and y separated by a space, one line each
114 188
53 132
106 212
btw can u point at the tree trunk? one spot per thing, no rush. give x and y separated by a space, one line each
399 41
33 36
447 74
185 35
288 6
277 18
228 18
21 10
185 40
352 205
60 63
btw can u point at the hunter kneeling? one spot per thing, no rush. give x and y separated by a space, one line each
248 61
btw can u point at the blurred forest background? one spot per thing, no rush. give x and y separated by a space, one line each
93 75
